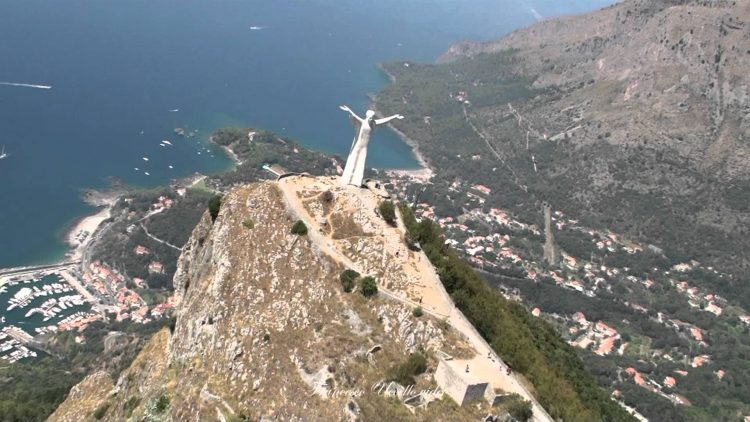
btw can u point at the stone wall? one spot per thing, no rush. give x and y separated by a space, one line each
462 387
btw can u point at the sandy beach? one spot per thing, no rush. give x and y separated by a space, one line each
423 174
80 235
235 159
232 155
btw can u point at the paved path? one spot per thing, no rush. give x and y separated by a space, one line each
436 301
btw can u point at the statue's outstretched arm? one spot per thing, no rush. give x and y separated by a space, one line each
388 119
346 108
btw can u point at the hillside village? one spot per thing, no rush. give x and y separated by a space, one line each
114 291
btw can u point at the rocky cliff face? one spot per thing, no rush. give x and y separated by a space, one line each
264 330
668 74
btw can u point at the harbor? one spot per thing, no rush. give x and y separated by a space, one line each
36 302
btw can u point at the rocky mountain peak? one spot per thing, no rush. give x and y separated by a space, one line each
264 329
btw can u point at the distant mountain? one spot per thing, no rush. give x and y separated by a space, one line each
635 118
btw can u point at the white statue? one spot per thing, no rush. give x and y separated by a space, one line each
354 170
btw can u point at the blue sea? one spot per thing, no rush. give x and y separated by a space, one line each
124 74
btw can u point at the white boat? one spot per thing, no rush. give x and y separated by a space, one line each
3 154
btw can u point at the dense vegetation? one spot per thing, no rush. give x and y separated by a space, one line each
32 390
529 345
101 411
265 148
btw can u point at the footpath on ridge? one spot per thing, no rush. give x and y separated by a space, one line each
384 252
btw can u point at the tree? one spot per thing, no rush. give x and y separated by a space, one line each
520 409
368 286
228 136
348 277
417 312
214 205
388 212
299 228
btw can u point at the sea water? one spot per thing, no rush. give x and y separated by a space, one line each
124 74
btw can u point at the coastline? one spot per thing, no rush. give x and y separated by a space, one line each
232 155
424 173
81 234
92 223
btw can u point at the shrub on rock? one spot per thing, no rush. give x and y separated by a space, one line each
388 212
214 205
368 286
348 277
299 228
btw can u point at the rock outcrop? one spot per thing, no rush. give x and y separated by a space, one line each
264 330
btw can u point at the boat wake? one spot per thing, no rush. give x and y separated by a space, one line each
26 85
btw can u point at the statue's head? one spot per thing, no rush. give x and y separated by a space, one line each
369 115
